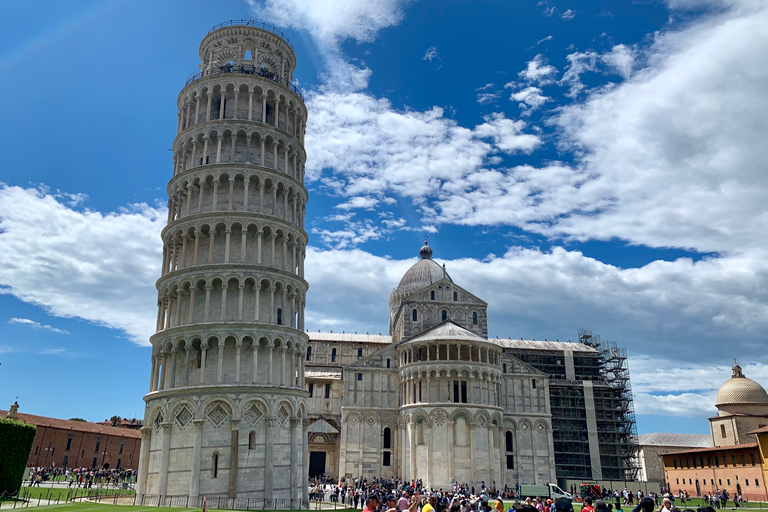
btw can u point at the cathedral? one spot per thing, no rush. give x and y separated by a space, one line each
435 400
244 403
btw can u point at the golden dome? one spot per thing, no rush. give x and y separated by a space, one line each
741 390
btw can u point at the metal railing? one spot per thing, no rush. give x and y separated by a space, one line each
253 23
221 502
246 70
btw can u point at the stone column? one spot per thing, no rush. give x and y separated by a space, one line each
203 357
220 362
224 288
449 446
283 349
271 316
197 454
162 489
232 149
277 114
237 97
238 346
246 183
270 351
240 302
173 368
295 466
472 449
234 448
268 469
191 318
227 236
250 105
219 139
412 468
186 363
208 110
208 289
491 451
206 139
263 149
263 111
256 290
146 441
223 95
243 243
255 359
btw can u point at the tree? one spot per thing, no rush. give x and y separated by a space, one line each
78 419
16 440
116 421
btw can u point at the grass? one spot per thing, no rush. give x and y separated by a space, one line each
96 507
52 493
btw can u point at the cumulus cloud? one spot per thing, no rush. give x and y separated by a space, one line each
358 202
665 387
529 98
650 310
371 149
36 325
537 71
332 21
78 263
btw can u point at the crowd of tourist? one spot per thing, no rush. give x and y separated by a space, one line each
84 478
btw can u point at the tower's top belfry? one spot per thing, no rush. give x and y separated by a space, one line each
250 44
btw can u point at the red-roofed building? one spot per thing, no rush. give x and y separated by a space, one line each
78 444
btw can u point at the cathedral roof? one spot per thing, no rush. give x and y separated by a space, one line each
674 439
741 390
447 331
423 273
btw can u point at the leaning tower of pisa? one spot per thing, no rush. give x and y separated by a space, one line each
225 413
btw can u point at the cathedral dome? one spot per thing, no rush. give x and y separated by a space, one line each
739 390
423 273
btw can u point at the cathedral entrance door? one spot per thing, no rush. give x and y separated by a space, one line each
316 463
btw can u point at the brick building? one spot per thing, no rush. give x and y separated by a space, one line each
735 463
79 444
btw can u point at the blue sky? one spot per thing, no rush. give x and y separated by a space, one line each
596 164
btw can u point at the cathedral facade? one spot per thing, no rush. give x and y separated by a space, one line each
435 400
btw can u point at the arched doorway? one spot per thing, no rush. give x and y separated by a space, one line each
698 488
738 490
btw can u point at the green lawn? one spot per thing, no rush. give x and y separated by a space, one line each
52 493
92 507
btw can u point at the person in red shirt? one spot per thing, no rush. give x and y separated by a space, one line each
372 503
588 505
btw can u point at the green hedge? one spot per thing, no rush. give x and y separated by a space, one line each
16 440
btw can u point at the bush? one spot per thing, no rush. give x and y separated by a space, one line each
16 440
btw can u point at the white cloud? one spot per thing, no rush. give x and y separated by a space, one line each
36 325
52 351
81 263
578 64
621 59
371 149
358 202
488 97
568 15
332 21
431 54
537 71
529 98
665 387
544 40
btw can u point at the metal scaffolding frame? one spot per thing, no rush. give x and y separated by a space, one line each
608 371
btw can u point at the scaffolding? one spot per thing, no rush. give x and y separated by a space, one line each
606 367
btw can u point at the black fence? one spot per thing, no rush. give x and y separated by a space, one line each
221 502
253 23
246 70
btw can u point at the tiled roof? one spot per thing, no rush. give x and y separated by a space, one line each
77 426
559 346
759 430
718 449
323 372
348 337
672 439
506 343
447 331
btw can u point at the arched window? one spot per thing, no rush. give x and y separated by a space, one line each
387 438
387 363
215 464
432 295
415 315
252 440
359 353
248 55
333 355
508 440
505 367
455 296
474 318
445 315
309 353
